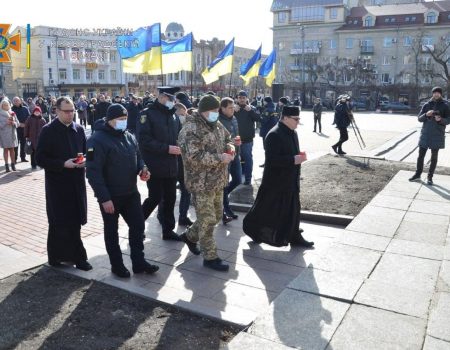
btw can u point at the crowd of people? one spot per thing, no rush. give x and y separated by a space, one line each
204 147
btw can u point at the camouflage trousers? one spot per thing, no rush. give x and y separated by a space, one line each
208 208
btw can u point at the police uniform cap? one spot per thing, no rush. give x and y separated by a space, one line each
169 91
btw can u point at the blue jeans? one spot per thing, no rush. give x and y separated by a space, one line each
247 160
236 178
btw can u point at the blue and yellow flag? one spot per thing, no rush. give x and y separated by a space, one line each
267 69
251 68
177 55
222 65
141 51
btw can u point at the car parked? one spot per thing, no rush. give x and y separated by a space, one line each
395 106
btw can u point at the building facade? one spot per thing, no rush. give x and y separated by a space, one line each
373 50
67 62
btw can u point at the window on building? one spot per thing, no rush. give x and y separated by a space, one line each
386 60
368 22
281 17
333 44
101 55
392 19
387 42
281 46
49 52
61 53
113 75
407 19
431 18
407 41
407 59
62 74
113 56
308 13
355 21
88 53
413 18
333 13
50 74
76 74
385 78
75 54
349 43
448 17
406 78
386 20
177 76
101 74
89 74
427 40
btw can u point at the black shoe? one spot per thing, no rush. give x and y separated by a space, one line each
247 183
170 236
83 265
232 215
335 149
299 241
24 160
226 219
216 264
314 130
121 271
191 245
7 168
185 222
341 152
430 182
262 165
145 267
416 177
55 263
13 167
33 168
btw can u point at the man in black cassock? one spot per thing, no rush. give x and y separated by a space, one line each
275 216
65 188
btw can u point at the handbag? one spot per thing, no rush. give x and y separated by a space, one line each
28 148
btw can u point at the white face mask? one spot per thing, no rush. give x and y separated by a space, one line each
121 125
213 116
169 104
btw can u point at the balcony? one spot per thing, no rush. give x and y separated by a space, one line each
366 50
315 50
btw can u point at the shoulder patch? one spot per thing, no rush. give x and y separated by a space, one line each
143 118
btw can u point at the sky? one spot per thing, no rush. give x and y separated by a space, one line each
249 21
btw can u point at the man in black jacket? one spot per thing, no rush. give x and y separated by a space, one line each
435 115
158 132
22 114
133 114
101 107
246 116
342 118
113 164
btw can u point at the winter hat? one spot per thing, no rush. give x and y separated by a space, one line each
437 89
268 99
208 103
37 108
283 100
242 93
290 111
116 110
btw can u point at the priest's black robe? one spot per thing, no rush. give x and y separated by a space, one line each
65 189
275 216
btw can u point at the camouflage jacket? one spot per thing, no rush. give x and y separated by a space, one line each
201 148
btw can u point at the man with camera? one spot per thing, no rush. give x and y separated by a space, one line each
435 115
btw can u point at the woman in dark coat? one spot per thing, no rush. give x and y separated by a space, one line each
435 115
65 186
275 216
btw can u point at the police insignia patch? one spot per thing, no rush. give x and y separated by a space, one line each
143 119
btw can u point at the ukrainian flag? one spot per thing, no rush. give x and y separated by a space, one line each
141 51
251 68
267 69
222 65
177 55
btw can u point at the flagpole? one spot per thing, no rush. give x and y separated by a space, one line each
162 74
192 68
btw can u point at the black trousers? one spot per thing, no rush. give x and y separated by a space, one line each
129 207
64 244
164 189
318 119
343 137
433 163
22 141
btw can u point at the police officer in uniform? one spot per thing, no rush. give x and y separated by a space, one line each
158 132
113 164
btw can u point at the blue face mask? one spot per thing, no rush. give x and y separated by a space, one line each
213 116
121 125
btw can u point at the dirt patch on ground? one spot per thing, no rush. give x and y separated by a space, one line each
344 185
48 309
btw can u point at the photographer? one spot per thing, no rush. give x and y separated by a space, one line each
435 115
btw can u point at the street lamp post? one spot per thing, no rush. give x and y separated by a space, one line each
302 27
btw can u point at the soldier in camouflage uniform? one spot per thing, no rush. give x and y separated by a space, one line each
206 149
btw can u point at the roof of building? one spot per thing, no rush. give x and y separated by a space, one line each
278 5
174 27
